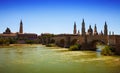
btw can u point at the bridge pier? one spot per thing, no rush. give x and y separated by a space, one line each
67 41
117 49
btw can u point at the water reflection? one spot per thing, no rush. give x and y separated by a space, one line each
99 50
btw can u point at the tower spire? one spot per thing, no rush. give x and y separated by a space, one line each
78 32
95 30
83 28
21 27
90 31
75 29
101 33
105 29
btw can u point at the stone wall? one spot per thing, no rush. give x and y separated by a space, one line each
117 49
117 44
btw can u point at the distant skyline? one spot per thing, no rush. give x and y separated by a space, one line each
58 16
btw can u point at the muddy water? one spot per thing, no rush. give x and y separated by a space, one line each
41 59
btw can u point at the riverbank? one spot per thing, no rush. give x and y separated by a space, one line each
19 45
23 44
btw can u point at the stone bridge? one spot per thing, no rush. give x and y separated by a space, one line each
87 42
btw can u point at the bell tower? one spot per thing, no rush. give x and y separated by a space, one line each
105 29
75 29
90 31
21 27
95 30
83 28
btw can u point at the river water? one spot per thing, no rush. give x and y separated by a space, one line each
41 59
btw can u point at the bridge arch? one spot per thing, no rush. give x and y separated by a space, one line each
74 41
62 42
92 44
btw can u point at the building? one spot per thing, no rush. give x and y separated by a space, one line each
86 39
20 36
90 31
21 27
75 29
105 29
83 33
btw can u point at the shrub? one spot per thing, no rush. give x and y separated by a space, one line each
4 41
29 41
75 47
107 51
12 41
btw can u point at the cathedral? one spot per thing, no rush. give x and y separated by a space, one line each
90 31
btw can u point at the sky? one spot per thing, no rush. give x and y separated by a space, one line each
58 16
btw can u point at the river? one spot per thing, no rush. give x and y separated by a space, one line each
41 59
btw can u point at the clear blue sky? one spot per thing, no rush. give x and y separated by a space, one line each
58 16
